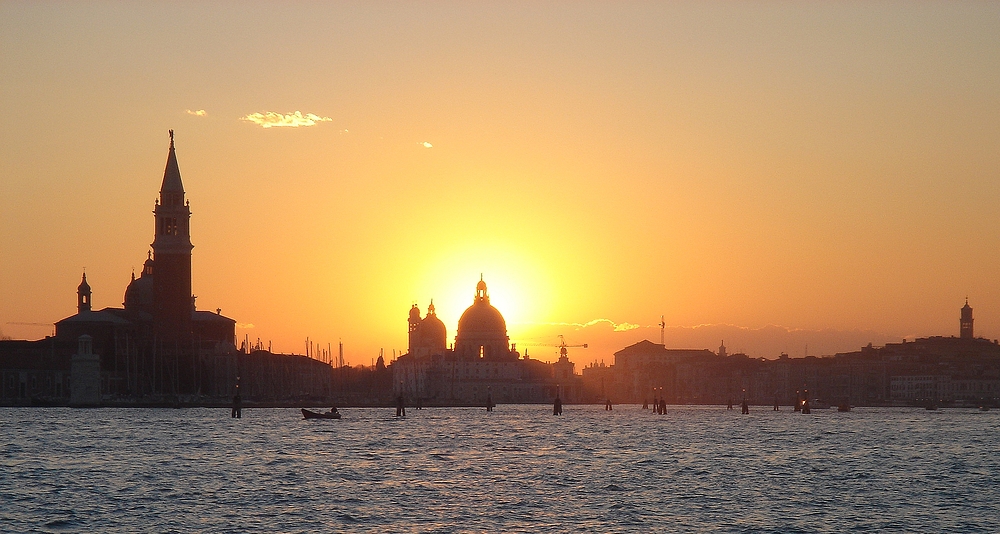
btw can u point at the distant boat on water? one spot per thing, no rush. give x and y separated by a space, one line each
309 414
818 404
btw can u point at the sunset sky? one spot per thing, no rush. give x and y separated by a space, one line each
785 174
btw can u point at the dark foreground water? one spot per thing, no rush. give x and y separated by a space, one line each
696 469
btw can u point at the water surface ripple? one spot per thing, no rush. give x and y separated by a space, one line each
517 469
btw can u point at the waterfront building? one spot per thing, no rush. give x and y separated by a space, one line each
961 370
481 364
157 345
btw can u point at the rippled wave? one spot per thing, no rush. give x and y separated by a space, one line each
517 469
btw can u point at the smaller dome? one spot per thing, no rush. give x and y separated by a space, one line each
139 294
84 286
414 313
481 286
433 332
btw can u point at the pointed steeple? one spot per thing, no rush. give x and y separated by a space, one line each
172 174
83 295
172 257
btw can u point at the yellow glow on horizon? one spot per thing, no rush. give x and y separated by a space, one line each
518 286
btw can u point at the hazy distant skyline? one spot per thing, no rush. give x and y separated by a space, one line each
829 168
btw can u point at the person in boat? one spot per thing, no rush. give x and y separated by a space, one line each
333 411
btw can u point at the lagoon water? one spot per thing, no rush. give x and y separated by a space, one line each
517 469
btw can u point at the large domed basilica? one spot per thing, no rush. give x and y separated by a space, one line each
482 331
481 366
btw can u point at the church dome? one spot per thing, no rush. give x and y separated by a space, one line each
482 332
482 319
433 332
139 293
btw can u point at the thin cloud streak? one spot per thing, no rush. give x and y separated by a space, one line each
271 119
618 327
197 113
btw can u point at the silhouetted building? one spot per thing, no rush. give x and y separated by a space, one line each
481 365
965 322
157 344
938 370
173 302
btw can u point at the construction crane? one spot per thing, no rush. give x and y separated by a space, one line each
562 347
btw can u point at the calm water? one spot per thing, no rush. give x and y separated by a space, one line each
696 469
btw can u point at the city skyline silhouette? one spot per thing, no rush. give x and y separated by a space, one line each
806 184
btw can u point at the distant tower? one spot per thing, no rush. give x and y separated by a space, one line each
414 325
83 296
172 246
722 349
965 323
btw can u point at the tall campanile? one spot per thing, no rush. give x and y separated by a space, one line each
172 302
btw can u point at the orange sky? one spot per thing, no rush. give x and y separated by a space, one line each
830 168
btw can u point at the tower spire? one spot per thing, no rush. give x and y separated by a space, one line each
171 189
171 252
965 321
663 327
83 295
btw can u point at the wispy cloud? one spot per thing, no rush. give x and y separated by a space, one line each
270 119
244 325
196 113
425 144
617 327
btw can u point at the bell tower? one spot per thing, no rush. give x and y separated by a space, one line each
83 296
965 323
172 257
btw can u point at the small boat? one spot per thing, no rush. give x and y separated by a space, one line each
817 404
309 414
